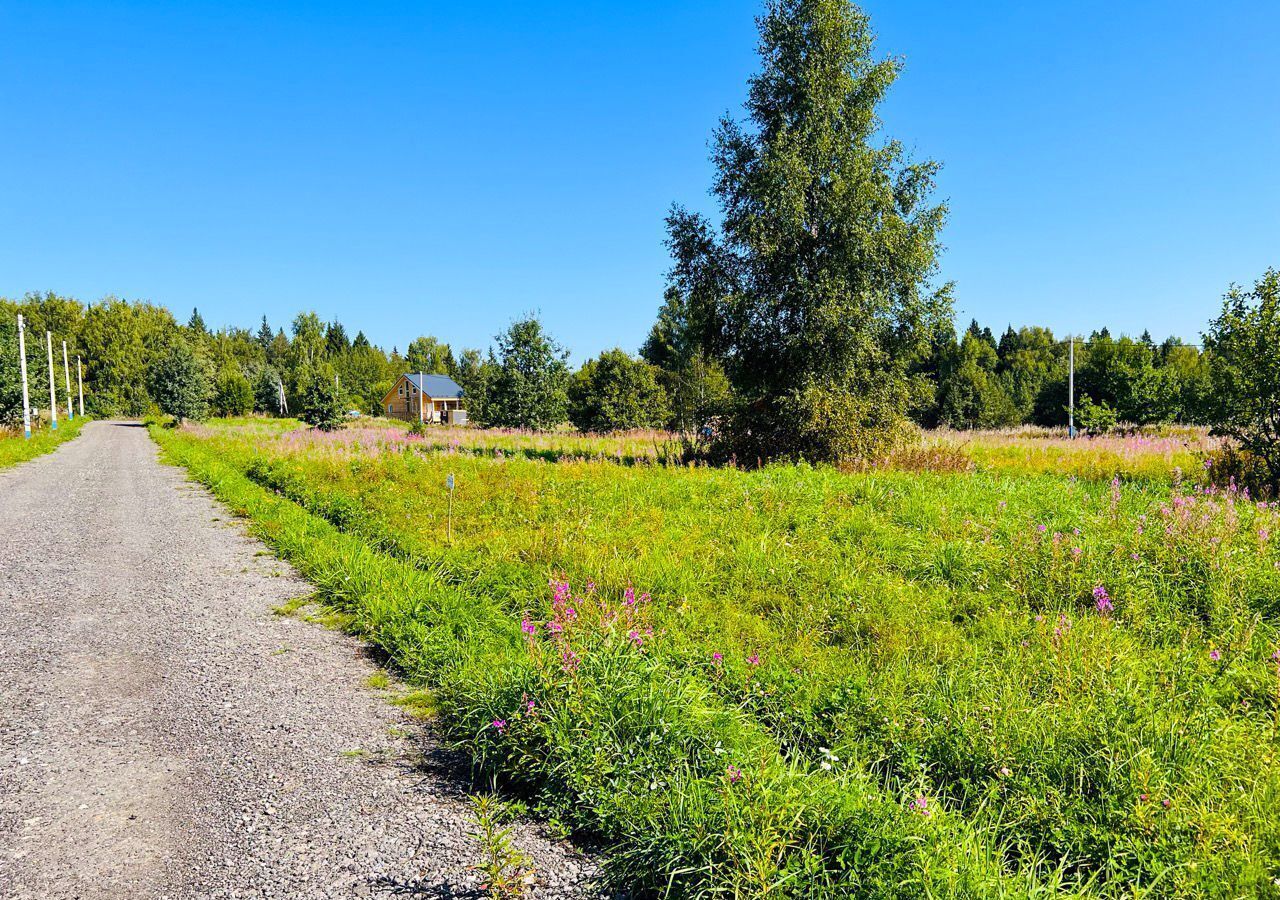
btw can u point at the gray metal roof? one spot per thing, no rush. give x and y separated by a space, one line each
438 387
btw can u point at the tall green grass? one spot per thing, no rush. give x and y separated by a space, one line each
882 685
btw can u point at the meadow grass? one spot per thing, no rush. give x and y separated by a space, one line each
16 448
1011 681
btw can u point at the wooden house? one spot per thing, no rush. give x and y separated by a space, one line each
417 397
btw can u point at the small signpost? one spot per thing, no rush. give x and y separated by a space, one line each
448 483
22 364
80 384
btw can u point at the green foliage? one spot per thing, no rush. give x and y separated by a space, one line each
430 356
234 394
527 386
616 392
1245 342
816 287
10 375
266 391
179 382
322 405
1095 418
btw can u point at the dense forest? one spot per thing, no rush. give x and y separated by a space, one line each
969 380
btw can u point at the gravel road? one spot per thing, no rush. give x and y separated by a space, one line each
164 734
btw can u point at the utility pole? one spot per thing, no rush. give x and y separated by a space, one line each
80 384
22 364
53 391
66 374
1071 387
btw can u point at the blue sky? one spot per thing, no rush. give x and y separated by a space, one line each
442 168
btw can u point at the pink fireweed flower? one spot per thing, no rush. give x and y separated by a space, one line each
1102 600
1076 551
920 806
1263 534
528 627
629 596
635 637
717 657
555 627
1215 654
1042 528
753 659
498 725
733 773
569 661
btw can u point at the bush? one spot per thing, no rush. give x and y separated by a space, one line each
321 405
179 383
616 393
1096 418
1245 342
234 395
818 423
1235 466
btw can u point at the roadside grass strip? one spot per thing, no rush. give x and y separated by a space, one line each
16 448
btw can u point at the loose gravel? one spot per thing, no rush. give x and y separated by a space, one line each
164 734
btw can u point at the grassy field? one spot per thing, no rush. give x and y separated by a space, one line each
1023 678
15 448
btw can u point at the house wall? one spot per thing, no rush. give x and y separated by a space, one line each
401 402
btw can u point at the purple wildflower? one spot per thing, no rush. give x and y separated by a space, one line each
498 725
1215 654
1102 600
734 774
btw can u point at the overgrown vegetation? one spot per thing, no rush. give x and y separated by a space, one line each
803 683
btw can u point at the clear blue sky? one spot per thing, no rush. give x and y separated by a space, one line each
443 167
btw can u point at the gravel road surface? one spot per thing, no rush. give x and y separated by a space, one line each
164 735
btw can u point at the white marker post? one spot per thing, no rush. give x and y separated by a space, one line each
422 390
80 384
66 373
53 390
22 364
448 482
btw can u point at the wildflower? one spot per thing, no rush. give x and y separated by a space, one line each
1142 797
1102 600
635 637
1005 772
498 725
1076 551
629 596
1042 528
1263 534
569 661
1166 803
717 657
555 627
1215 654
920 806
753 659
734 773
528 627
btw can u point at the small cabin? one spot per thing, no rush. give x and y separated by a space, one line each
418 397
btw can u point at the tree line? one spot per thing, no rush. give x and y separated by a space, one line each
805 321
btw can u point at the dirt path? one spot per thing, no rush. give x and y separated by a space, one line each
163 734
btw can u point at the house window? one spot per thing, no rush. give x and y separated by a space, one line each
402 390
388 409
